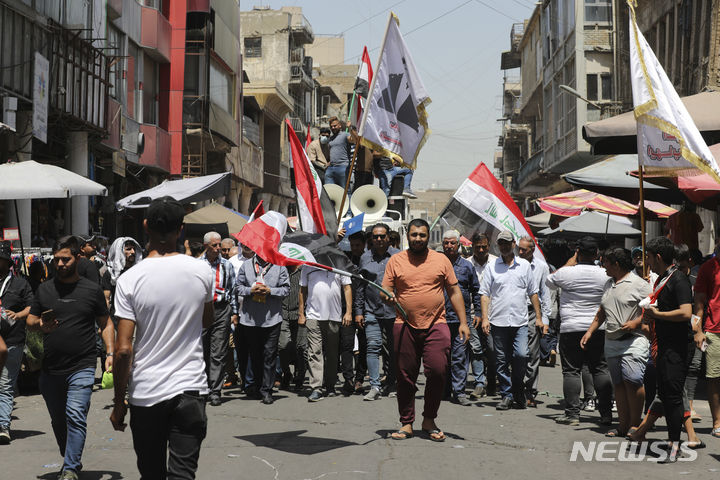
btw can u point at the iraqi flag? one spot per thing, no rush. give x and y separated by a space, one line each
313 210
482 205
362 83
669 143
267 236
394 121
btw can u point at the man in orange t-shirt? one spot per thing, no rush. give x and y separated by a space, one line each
416 279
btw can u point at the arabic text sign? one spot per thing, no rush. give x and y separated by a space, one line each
40 97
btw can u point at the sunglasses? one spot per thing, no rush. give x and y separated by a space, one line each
62 259
379 237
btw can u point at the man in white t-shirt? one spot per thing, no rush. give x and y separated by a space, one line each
582 283
320 311
164 302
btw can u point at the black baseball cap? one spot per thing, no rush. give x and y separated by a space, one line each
165 215
83 239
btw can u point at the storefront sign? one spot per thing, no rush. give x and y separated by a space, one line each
40 97
118 163
11 234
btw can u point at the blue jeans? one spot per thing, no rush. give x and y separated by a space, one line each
68 400
403 171
459 360
337 174
476 360
7 383
374 334
511 349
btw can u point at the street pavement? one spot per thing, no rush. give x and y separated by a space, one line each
346 438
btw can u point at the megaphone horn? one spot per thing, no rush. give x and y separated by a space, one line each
369 200
335 192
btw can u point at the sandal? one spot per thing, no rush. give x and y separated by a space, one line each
695 445
613 433
405 435
435 431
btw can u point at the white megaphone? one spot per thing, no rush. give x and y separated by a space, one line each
335 192
371 201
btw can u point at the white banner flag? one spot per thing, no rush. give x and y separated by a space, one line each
669 143
395 121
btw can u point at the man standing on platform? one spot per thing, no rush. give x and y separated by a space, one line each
416 279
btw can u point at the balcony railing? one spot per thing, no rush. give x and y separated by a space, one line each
529 170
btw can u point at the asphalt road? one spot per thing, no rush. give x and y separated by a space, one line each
346 438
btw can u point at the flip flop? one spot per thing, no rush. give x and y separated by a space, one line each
695 445
405 435
435 431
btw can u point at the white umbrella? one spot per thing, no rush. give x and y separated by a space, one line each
594 223
186 190
30 179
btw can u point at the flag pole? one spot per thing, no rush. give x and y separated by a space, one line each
361 127
347 182
642 219
350 110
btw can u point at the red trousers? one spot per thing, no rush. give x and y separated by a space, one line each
432 345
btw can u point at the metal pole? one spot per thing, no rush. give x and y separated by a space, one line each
347 183
642 220
17 219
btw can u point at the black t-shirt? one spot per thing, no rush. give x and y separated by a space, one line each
70 347
677 291
87 269
16 297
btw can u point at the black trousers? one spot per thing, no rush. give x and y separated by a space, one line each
347 356
573 357
671 372
262 344
176 426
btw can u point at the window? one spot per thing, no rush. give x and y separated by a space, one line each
598 11
601 91
150 90
606 81
592 86
253 47
221 87
116 61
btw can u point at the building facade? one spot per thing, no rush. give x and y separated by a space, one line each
569 70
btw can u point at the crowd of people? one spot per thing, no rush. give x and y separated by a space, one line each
331 154
177 329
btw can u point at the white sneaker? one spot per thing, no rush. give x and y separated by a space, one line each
373 394
590 405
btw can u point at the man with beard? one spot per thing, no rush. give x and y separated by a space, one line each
66 310
372 315
483 351
164 302
540 271
15 299
416 279
339 147
469 286
506 286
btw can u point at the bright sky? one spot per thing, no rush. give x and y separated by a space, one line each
456 45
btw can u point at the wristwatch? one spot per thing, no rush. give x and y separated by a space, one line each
109 354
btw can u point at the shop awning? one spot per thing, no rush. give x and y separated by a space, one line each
187 190
618 134
593 223
571 204
30 179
